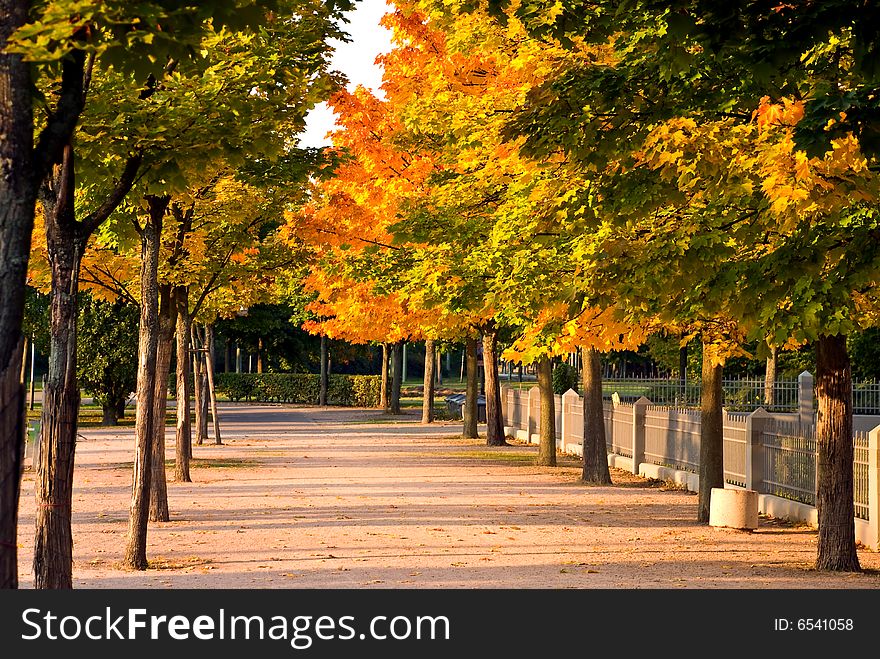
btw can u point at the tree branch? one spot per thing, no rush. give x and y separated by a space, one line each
129 175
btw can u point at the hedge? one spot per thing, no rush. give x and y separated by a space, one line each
303 388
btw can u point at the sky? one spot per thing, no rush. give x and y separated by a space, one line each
356 60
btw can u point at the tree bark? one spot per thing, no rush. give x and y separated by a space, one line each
109 412
53 541
322 394
770 377
12 432
471 409
164 348
834 500
494 420
547 444
209 373
711 437
396 377
18 194
428 387
200 380
229 357
384 400
260 355
135 555
183 438
595 451
438 369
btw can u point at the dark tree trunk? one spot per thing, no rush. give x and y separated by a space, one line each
428 387
547 444
384 401
18 193
209 376
494 420
770 377
12 432
183 438
135 555
396 377
109 412
322 394
200 380
834 440
471 409
164 348
53 541
595 448
229 357
711 437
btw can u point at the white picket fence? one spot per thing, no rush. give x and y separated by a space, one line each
773 454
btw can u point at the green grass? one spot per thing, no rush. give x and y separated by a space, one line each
201 463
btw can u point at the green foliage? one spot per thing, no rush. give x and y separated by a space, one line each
300 388
565 377
864 350
107 347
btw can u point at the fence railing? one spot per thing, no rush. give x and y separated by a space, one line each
773 454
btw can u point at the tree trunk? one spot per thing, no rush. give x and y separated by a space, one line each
471 409
711 437
164 348
494 420
229 357
595 449
53 487
396 377
260 355
200 380
322 394
770 378
438 369
428 388
209 372
18 193
109 412
12 433
834 440
135 555
384 400
183 439
547 445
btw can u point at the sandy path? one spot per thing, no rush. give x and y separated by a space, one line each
323 498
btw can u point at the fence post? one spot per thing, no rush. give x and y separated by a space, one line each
534 419
874 488
568 398
640 407
805 399
756 423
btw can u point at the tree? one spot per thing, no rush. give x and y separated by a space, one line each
106 353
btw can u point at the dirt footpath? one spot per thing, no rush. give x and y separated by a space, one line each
333 498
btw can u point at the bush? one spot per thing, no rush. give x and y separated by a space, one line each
565 377
301 388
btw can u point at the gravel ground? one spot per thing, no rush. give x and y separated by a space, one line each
303 497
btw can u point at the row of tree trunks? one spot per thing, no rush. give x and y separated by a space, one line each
428 385
135 555
472 389
547 443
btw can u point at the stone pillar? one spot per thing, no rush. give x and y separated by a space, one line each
534 417
638 433
806 416
756 423
569 398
